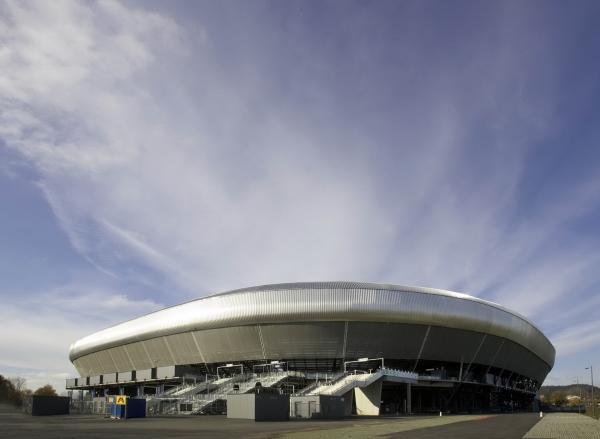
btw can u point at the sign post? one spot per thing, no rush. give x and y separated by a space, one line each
122 400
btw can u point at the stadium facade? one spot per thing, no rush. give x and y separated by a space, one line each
384 348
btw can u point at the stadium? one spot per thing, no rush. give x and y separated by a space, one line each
380 348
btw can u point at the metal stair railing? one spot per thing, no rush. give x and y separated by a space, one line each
188 396
321 387
351 381
330 379
347 381
190 390
399 373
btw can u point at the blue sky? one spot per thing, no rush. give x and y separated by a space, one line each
155 152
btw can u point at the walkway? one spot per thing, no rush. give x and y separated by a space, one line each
16 425
565 426
509 426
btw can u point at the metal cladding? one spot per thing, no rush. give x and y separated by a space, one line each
315 305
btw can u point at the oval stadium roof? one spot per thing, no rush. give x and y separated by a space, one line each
326 301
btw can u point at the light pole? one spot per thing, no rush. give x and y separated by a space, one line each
592 380
580 400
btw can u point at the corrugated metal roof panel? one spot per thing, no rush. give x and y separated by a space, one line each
326 301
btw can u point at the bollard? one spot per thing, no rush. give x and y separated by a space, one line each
541 414
440 413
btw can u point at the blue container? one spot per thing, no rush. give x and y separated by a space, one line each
136 408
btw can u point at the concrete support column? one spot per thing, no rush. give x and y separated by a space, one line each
105 391
140 391
121 390
368 399
408 398
348 398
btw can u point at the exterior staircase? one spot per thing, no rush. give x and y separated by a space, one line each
198 398
349 381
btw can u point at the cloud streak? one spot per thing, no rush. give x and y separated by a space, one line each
42 326
320 155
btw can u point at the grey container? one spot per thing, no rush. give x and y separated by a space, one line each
317 406
259 406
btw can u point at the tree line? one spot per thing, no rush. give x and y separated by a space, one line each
557 395
13 390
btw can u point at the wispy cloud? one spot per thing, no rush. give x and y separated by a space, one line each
42 325
578 337
127 170
167 162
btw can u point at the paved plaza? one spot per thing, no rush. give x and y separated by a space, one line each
14 424
565 426
451 427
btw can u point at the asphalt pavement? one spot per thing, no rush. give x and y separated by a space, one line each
503 426
14 424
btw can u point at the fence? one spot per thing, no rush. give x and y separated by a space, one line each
96 406
199 404
304 409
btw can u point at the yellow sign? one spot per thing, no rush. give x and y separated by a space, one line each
120 400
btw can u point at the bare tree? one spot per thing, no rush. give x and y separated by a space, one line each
18 383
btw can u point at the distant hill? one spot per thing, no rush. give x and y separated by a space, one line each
571 389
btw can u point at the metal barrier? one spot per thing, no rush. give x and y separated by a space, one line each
96 406
186 401
197 404
304 409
